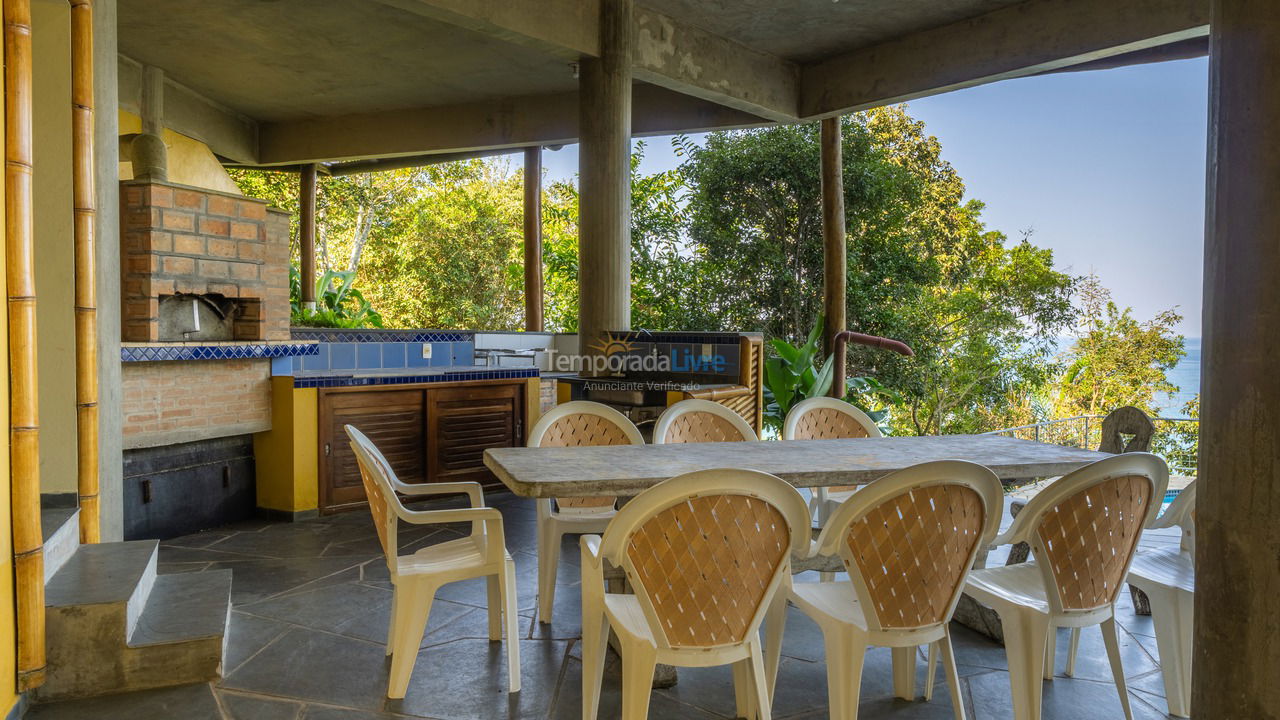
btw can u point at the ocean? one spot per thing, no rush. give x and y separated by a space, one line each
1186 375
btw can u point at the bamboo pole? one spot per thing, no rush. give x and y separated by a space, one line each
24 422
307 234
835 256
86 318
533 239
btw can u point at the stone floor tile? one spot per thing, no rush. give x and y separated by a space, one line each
255 707
253 580
568 702
467 680
1062 700
321 712
247 635
314 666
184 702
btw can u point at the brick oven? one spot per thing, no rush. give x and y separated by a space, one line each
204 310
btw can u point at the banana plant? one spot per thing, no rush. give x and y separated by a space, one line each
338 303
793 375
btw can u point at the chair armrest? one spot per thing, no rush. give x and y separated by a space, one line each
590 545
1005 538
428 517
471 489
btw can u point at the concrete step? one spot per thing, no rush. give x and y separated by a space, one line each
61 530
113 625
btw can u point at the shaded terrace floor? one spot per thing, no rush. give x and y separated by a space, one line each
311 602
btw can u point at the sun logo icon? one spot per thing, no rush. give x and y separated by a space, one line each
612 345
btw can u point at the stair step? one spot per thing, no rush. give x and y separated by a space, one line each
183 608
120 573
61 530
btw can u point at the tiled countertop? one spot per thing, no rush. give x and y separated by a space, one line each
402 376
215 350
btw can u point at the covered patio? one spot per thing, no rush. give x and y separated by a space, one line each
159 94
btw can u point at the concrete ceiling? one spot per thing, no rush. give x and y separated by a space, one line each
807 30
296 59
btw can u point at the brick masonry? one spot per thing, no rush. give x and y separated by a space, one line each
178 239
172 402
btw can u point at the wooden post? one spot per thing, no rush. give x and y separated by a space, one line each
24 420
307 234
835 254
604 177
1237 600
533 239
86 318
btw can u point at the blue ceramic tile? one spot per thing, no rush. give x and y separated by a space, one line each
413 356
464 353
393 354
342 356
281 366
319 361
369 356
441 354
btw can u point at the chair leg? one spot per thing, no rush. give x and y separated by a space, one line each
930 670
1184 624
743 701
395 618
774 623
548 560
845 656
1050 652
953 676
507 591
1025 636
595 643
762 698
495 607
1073 649
638 663
904 672
1112 641
416 608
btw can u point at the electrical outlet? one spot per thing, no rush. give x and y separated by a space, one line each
426 351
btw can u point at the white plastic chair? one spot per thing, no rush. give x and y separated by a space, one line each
573 424
706 554
415 578
1083 531
1168 577
827 418
908 541
691 421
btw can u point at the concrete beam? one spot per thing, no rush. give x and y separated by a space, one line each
1032 37
227 133
667 52
514 123
687 59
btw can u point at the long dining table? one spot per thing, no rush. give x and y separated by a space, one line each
628 470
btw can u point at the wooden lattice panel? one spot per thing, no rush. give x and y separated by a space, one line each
828 424
705 566
581 430
698 427
744 405
1089 537
912 552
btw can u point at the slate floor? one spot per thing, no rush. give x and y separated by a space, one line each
310 608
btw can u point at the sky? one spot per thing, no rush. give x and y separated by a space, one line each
1107 168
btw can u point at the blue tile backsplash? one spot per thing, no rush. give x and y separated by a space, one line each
390 355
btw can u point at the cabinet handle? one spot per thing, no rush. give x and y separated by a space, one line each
326 449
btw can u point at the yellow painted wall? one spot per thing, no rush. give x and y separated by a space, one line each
287 455
54 260
191 162
8 619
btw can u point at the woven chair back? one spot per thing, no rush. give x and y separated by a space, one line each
584 424
375 475
829 419
706 564
699 427
913 552
1088 538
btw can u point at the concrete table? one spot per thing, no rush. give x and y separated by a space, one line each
627 470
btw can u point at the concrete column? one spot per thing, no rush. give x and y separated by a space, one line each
1237 607
307 234
835 254
107 231
604 176
533 239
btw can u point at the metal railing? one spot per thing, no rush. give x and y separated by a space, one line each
1177 440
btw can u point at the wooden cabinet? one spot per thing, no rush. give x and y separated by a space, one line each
434 433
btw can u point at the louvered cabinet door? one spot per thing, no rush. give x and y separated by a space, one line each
462 422
395 420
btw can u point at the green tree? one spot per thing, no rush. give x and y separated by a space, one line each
1115 359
